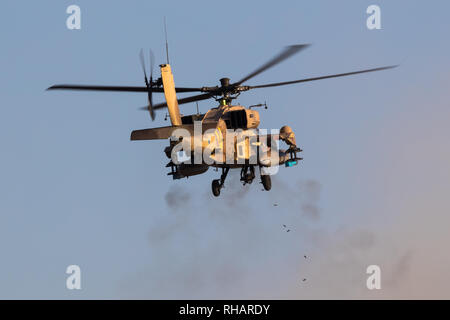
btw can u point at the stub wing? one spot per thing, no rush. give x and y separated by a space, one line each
166 132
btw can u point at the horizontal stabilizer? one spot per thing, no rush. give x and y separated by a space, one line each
166 132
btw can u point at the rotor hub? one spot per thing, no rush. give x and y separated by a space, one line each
225 82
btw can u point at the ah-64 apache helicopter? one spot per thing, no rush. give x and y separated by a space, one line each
220 120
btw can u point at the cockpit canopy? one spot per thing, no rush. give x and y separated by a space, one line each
235 117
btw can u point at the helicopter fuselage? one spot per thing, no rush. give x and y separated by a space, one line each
226 136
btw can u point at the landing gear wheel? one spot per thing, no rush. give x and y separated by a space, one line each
216 188
266 181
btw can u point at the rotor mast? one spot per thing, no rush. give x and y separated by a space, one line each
226 98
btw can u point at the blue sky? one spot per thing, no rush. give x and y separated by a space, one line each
75 190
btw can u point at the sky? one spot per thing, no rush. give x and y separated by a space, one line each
372 188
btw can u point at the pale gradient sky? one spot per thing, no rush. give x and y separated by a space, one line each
372 189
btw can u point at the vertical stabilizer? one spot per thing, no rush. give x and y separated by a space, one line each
170 94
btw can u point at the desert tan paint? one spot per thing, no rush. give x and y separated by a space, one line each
171 95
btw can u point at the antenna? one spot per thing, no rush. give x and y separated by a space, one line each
197 108
167 43
259 105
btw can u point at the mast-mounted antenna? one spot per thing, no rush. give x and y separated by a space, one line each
167 43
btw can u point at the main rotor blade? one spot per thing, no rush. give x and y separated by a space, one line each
321 78
115 88
286 53
182 101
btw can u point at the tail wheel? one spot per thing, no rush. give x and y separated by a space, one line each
266 181
215 186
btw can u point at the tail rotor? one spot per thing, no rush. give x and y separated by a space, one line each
148 82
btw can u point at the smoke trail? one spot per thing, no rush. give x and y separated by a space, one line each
177 197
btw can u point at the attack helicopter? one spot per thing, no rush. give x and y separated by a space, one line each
191 135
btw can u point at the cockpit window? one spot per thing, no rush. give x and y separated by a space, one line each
237 120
